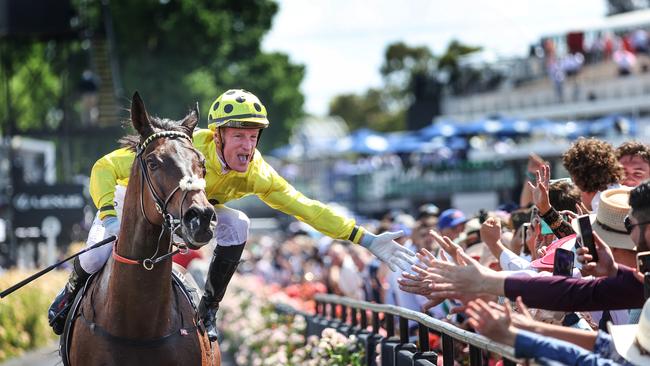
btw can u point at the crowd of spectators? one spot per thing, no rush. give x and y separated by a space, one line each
628 51
492 272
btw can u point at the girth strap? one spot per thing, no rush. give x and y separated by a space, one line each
129 342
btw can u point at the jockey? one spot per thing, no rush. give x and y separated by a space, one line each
234 169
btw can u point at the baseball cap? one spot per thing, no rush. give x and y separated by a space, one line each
450 218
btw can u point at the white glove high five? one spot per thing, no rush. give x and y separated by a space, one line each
384 247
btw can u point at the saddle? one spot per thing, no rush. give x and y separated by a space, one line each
188 286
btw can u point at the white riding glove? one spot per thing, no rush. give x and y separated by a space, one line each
384 247
111 226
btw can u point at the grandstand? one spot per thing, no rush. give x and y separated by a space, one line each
596 90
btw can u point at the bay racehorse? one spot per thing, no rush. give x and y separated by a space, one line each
131 314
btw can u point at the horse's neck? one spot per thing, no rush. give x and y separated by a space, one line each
139 300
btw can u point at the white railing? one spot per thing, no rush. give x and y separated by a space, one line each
351 316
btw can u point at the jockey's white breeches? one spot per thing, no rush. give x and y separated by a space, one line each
232 229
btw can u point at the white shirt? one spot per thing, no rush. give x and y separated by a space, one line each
509 261
596 200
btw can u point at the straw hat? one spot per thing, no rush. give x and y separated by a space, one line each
609 220
628 338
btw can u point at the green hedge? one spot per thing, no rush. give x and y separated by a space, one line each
23 314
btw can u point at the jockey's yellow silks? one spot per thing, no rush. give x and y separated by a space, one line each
260 179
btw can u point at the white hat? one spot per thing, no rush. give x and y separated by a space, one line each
629 337
609 221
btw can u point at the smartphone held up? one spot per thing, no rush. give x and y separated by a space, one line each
587 236
643 262
563 262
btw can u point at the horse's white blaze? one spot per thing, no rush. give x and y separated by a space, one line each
192 183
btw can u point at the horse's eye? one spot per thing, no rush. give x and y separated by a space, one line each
152 164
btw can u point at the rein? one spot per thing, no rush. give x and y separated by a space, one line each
148 263
169 222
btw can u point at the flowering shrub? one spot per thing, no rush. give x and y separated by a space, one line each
23 314
333 348
258 335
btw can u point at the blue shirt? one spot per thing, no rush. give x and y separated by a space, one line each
604 346
552 351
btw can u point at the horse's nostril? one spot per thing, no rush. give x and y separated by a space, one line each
191 214
208 214
197 216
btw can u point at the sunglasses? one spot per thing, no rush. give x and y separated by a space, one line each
629 225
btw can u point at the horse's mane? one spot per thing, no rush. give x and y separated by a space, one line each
131 142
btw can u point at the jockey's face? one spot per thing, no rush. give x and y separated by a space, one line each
239 147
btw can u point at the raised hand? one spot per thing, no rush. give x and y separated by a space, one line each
492 323
448 279
522 318
570 214
605 267
540 189
426 258
491 235
418 283
447 245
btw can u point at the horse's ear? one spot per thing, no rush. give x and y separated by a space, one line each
191 120
139 116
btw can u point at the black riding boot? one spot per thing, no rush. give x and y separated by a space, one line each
223 266
58 311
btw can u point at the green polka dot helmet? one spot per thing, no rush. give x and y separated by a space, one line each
237 108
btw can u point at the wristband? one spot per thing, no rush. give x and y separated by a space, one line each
367 239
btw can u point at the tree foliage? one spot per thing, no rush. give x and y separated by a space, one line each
175 52
190 50
367 110
34 86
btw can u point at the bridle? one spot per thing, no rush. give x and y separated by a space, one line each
169 222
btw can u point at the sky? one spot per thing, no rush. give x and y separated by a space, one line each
342 42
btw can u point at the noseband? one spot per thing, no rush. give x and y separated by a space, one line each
170 223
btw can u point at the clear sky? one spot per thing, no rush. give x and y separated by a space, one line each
342 42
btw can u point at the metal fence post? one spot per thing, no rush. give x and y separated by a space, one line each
397 348
475 356
405 351
390 343
447 350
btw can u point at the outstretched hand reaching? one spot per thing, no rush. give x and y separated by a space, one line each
492 323
384 247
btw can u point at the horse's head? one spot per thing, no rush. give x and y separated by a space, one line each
172 173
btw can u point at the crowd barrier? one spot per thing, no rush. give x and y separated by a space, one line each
362 319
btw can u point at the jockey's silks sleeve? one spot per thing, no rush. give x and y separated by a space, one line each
112 169
280 195
262 180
